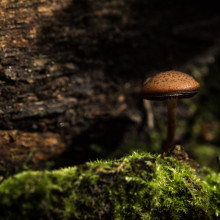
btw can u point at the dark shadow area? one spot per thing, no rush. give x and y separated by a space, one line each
99 141
128 40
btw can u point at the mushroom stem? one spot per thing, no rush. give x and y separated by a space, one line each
171 107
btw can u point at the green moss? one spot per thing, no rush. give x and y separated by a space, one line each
211 182
139 186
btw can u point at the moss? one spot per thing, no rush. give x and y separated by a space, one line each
211 182
139 186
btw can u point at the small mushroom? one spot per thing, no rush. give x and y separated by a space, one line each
170 86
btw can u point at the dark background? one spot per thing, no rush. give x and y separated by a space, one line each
71 74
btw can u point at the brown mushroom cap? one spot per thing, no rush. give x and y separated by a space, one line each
170 84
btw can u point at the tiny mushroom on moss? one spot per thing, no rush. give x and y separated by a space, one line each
170 86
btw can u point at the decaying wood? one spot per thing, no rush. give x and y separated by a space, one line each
22 150
44 85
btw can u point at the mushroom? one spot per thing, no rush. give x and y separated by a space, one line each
170 86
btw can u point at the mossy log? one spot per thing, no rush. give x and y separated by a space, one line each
139 186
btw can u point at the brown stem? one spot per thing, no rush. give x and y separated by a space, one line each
171 107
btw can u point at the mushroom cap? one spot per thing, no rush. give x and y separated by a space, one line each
170 84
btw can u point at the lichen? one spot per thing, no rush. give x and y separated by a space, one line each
139 186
